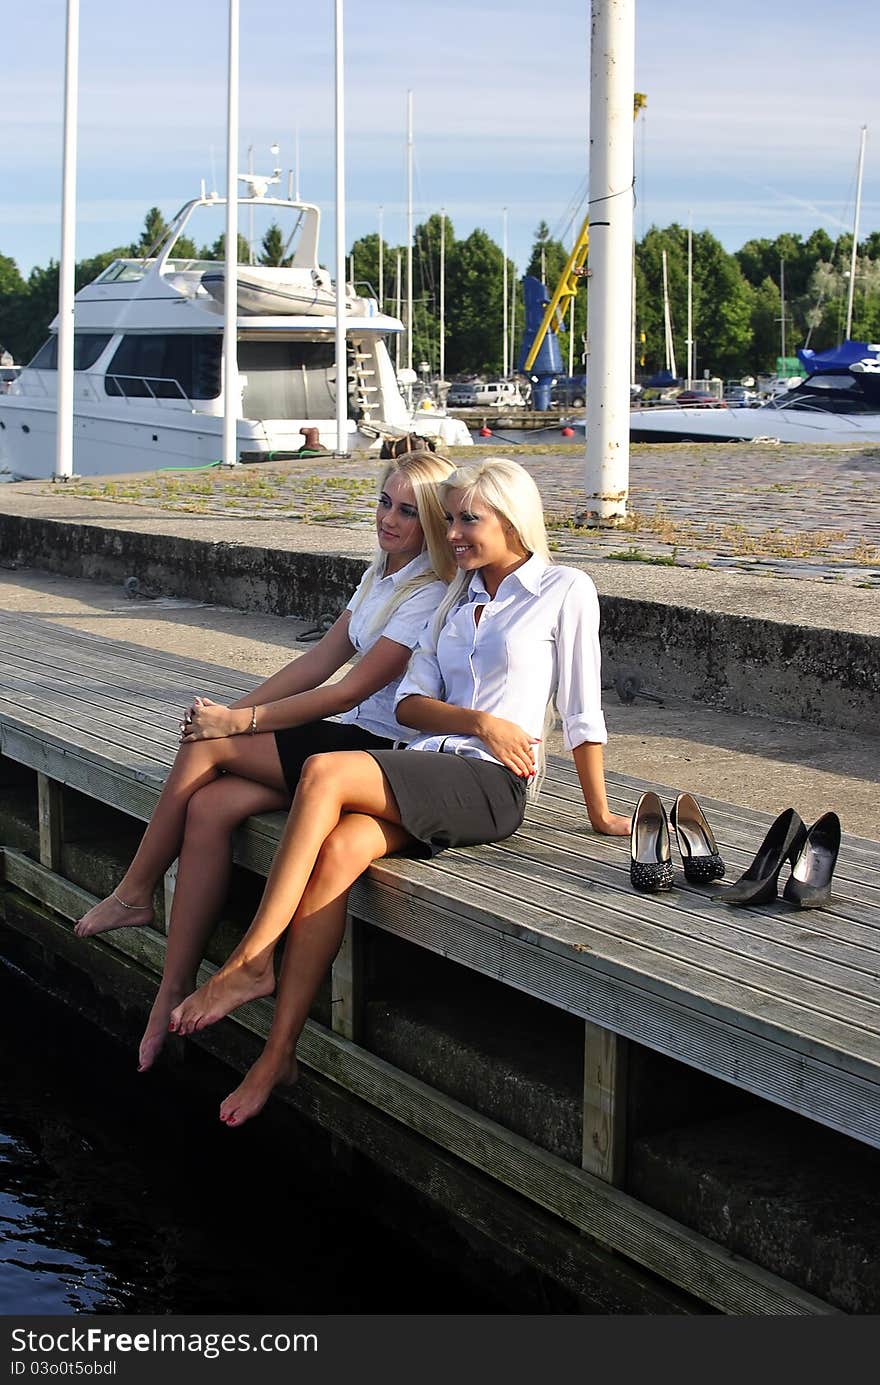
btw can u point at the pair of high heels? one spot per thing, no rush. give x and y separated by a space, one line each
812 853
650 867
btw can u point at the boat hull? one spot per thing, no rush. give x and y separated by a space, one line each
104 445
751 425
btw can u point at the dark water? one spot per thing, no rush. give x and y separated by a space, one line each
125 1194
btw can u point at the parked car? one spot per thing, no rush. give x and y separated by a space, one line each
570 391
503 392
736 397
462 395
698 399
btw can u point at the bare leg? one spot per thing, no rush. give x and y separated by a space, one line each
330 785
312 943
202 882
197 764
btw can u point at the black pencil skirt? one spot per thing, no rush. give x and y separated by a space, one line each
296 743
452 800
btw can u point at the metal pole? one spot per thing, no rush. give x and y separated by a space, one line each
504 294
231 388
855 244
341 357
296 162
512 322
381 263
690 336
397 334
251 259
782 309
64 432
442 294
612 82
409 231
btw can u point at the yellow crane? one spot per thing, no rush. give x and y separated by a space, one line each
575 270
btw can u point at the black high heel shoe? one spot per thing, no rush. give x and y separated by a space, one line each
782 843
650 867
696 841
809 885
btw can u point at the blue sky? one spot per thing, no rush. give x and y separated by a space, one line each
752 123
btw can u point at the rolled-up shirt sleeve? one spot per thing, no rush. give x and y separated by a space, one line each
579 685
423 677
409 622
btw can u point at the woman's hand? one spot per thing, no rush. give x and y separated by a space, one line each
206 720
509 743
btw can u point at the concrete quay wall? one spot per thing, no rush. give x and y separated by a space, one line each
751 663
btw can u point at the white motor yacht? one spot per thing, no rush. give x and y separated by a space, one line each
837 401
148 383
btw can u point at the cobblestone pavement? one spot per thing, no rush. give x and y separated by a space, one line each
805 512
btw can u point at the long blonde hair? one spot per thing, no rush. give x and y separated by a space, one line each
426 472
511 492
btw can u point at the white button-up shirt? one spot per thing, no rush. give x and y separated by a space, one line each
405 626
537 639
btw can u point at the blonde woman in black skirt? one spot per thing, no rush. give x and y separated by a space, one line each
246 758
514 634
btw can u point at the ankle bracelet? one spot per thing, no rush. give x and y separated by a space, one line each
127 906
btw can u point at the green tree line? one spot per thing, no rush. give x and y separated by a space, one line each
736 296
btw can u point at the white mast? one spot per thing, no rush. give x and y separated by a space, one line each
231 388
399 310
341 357
855 244
442 362
250 208
512 323
632 325
690 332
409 230
381 263
64 433
667 319
782 310
612 82
296 162
504 293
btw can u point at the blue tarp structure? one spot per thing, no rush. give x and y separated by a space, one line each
838 358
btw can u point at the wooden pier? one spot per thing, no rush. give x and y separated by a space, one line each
775 1004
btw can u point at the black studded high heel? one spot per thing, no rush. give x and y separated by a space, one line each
809 885
758 884
696 841
650 867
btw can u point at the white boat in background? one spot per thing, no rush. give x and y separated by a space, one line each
837 401
148 387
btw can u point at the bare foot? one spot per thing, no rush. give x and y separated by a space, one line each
248 1100
231 986
112 913
157 1028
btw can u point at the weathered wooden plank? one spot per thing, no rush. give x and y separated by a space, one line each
50 815
612 1218
605 1104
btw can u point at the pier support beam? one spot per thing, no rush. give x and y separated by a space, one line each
347 983
50 813
605 1072
612 79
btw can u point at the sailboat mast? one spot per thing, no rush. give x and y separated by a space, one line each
855 244
442 362
690 335
782 309
504 293
409 230
381 263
